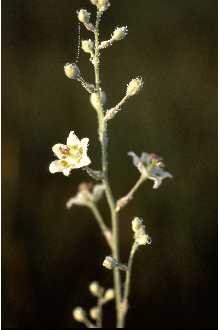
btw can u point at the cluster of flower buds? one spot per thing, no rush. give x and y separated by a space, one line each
111 263
102 5
98 291
118 34
151 167
88 194
140 236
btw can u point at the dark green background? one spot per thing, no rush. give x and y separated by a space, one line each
49 254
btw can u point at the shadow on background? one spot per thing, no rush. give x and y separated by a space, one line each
50 254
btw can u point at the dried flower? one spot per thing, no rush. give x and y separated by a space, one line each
79 314
140 236
87 194
111 263
134 86
94 288
70 156
102 5
120 33
150 166
71 71
94 313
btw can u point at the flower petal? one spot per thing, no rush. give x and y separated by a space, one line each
72 139
56 166
136 159
84 143
66 171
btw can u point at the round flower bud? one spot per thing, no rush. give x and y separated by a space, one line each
134 86
94 288
88 46
120 33
84 16
94 312
109 295
79 314
95 99
71 70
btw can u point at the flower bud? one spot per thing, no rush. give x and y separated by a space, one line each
102 5
79 314
84 16
88 46
137 223
97 99
71 70
134 86
109 295
94 313
94 288
120 33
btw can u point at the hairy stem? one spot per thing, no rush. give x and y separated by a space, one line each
108 192
122 202
128 283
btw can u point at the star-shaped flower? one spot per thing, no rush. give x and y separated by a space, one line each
71 155
151 167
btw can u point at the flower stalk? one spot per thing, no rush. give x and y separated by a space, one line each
73 155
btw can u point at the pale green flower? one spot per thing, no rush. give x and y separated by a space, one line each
71 155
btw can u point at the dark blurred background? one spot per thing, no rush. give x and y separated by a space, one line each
49 254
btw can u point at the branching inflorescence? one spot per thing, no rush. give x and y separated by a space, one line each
73 155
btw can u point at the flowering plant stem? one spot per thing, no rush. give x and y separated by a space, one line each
128 282
108 192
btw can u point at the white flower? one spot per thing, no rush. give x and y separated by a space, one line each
151 166
87 195
70 156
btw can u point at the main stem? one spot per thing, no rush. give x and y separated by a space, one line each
108 192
